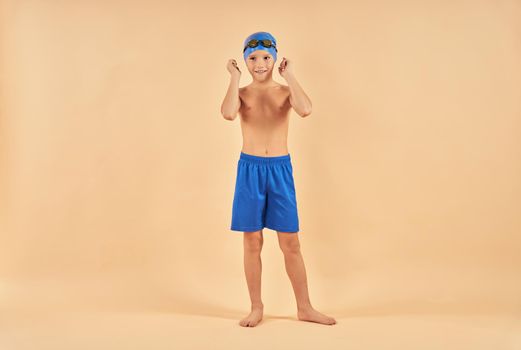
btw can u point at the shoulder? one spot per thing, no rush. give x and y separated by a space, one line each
286 91
244 94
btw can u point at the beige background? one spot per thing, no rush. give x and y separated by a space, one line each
117 175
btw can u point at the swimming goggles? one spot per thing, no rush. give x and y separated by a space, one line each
264 42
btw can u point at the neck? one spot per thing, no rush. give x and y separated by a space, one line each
269 82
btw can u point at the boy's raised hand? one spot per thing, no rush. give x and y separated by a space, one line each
286 67
232 67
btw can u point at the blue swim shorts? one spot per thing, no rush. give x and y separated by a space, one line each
264 194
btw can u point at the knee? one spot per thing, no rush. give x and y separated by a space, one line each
253 244
290 247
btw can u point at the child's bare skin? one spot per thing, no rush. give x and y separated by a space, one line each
264 107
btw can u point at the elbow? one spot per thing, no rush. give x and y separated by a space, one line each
229 116
306 110
305 113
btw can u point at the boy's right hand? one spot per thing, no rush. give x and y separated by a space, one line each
232 68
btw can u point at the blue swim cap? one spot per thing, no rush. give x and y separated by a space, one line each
260 36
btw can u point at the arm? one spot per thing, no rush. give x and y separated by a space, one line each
298 98
231 103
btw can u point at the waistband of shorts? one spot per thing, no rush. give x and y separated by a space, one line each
264 160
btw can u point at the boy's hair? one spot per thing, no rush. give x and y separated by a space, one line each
260 36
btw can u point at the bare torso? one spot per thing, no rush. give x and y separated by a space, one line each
264 120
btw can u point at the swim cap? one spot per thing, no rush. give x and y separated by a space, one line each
260 36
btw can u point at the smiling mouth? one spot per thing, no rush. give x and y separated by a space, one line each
260 71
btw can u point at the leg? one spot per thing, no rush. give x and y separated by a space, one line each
290 246
253 270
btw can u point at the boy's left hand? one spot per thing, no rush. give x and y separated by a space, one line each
286 67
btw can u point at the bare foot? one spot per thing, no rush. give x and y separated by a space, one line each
253 318
312 315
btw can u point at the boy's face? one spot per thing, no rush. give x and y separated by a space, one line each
260 64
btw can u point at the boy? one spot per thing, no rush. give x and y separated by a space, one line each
264 190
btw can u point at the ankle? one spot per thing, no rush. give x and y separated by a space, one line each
304 307
257 306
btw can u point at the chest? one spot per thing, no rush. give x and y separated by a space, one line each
262 101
